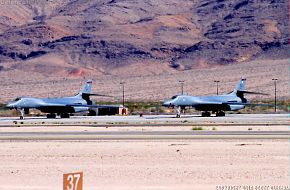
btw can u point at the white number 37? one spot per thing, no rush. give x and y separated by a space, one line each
73 181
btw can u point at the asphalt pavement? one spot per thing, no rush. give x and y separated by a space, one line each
145 135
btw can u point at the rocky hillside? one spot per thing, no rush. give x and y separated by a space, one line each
77 37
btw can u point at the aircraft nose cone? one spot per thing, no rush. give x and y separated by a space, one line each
166 104
10 106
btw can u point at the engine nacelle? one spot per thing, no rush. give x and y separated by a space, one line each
81 109
236 107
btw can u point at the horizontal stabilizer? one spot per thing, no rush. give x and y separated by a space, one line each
249 104
94 94
248 92
95 106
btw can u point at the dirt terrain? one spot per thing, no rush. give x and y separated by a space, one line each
174 165
49 48
101 37
152 87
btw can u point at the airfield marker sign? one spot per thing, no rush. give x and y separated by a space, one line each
73 181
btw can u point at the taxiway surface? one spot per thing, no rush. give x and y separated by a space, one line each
145 135
150 120
149 127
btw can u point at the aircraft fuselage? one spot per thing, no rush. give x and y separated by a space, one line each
49 105
206 103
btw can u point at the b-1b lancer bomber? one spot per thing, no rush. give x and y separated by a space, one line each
217 104
63 106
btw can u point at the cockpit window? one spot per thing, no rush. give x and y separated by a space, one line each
17 99
173 97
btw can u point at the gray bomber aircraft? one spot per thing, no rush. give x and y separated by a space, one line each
217 104
63 106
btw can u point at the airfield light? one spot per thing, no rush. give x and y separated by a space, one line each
182 83
123 89
217 86
275 89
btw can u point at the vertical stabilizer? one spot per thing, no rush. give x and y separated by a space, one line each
241 86
240 89
86 89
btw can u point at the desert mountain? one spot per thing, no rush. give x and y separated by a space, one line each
77 37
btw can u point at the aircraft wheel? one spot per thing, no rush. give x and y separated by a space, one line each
21 117
177 115
64 115
51 116
220 114
205 114
92 113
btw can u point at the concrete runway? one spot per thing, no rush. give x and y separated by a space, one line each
148 127
145 135
152 120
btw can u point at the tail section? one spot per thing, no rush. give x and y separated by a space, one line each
86 92
240 90
241 86
86 89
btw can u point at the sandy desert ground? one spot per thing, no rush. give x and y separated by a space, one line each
153 87
151 163
146 165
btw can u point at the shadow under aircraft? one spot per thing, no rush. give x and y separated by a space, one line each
63 106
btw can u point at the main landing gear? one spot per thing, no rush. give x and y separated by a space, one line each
51 116
205 114
64 115
92 113
220 114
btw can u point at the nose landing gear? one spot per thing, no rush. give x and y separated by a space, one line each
178 112
22 114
